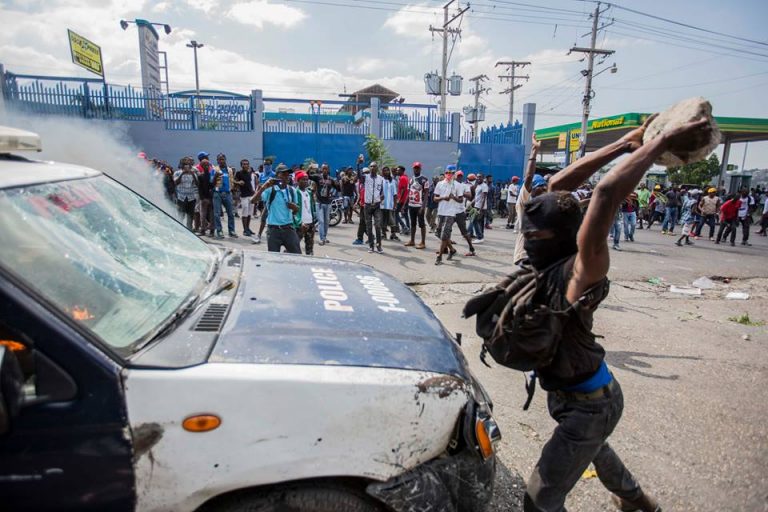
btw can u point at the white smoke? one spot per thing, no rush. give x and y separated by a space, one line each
101 145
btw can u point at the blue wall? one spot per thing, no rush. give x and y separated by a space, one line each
293 148
501 160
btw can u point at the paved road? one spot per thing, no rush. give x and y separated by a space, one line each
694 429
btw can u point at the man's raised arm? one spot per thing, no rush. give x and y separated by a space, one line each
592 260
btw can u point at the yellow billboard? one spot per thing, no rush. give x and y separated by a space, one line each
85 53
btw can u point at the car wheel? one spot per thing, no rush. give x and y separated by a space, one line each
299 499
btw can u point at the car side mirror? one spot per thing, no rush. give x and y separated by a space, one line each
11 381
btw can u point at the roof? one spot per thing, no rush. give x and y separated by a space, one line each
604 130
16 171
365 94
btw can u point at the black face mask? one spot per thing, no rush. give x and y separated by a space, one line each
543 213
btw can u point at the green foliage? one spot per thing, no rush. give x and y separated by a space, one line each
745 320
699 173
378 152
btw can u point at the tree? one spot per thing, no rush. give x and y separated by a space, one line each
377 152
698 173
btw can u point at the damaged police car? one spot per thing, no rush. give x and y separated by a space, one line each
143 369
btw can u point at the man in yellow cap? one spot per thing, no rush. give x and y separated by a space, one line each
709 206
657 205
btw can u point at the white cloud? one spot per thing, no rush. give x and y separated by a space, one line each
161 7
207 6
372 65
413 21
260 12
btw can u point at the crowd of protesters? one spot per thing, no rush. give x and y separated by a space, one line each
387 203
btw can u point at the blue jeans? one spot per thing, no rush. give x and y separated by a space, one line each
670 218
616 231
224 198
479 225
630 219
323 219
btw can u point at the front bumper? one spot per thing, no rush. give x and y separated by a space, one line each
454 483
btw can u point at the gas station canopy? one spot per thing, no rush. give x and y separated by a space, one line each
605 130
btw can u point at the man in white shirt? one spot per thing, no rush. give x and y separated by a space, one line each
512 192
306 216
445 197
374 194
481 204
745 217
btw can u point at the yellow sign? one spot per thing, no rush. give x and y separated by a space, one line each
574 145
85 53
607 123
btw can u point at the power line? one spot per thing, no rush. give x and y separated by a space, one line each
685 86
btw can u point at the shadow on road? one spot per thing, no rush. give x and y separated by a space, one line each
629 361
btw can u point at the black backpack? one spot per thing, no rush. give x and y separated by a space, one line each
518 332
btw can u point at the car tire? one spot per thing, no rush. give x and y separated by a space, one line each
299 499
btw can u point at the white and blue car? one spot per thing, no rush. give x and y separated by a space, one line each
143 369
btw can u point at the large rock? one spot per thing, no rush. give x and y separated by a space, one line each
700 143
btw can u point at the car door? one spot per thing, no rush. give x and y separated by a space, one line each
69 446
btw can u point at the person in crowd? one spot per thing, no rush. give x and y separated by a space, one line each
616 230
764 217
643 198
584 398
687 217
205 204
502 203
431 216
492 200
349 194
245 181
462 196
221 180
360 165
629 216
671 211
373 195
729 219
306 216
185 180
401 209
709 207
361 228
325 191
169 185
658 205
481 204
744 216
265 174
389 191
418 188
513 191
446 195
280 206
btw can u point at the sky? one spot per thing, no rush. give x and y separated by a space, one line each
316 49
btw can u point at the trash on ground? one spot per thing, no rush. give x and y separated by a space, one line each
722 279
737 296
685 290
589 473
704 283
745 337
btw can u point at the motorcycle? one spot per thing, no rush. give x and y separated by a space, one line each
336 211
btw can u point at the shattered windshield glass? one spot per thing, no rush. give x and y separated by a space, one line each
103 255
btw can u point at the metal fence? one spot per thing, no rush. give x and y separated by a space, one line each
288 115
93 99
414 122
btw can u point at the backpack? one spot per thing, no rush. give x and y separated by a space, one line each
519 333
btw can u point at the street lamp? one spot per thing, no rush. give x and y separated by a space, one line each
167 28
195 45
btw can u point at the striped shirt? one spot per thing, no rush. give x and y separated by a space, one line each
389 189
186 189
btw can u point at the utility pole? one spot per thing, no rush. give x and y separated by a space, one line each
511 65
195 45
445 31
588 92
477 91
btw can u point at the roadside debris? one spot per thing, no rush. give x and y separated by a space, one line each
658 281
737 296
704 283
685 290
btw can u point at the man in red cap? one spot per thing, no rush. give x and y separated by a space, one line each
512 193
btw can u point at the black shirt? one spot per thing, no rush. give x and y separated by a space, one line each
245 176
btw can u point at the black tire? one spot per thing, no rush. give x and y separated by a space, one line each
335 217
299 499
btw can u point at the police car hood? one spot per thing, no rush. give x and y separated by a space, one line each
301 310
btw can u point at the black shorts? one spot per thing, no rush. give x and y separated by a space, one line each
461 223
416 212
445 225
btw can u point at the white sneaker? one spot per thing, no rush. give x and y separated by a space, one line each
478 241
256 239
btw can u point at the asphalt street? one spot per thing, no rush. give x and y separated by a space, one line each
694 429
